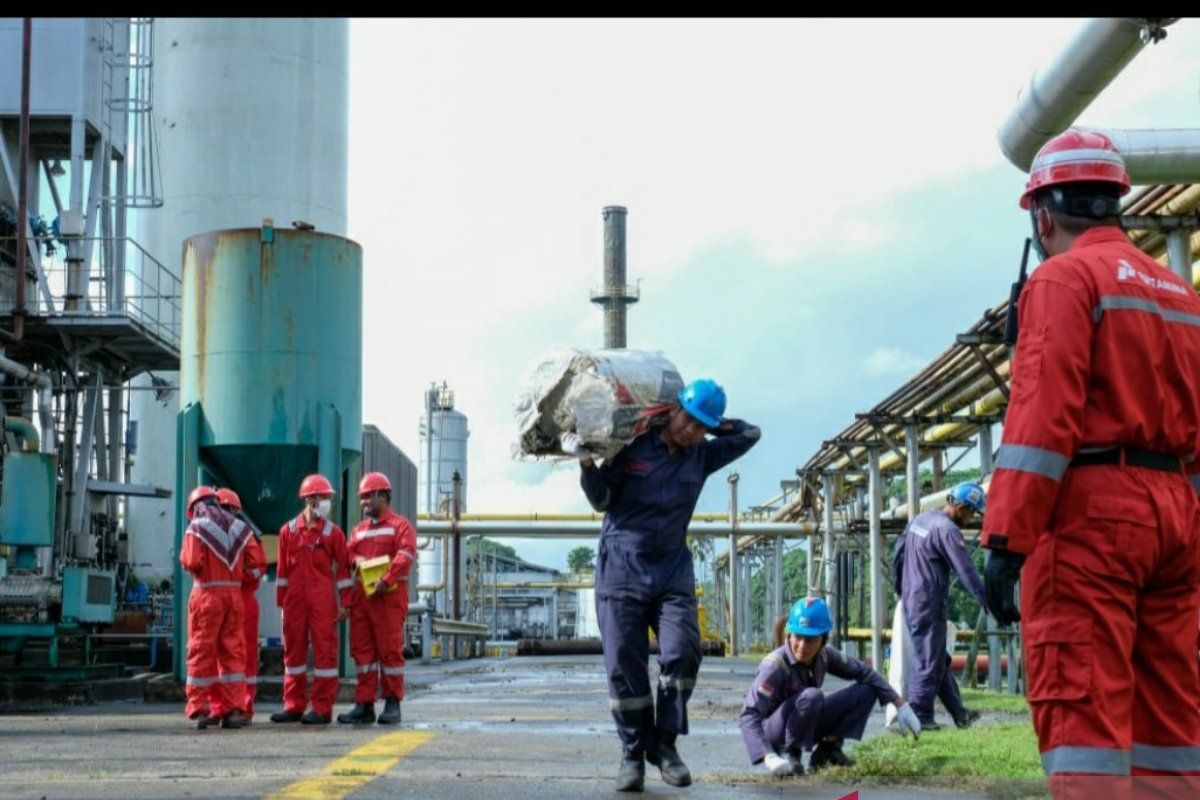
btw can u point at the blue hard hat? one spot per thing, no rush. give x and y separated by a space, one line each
809 617
704 399
968 494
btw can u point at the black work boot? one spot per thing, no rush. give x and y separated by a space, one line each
662 754
797 759
361 714
966 719
829 754
631 777
234 720
207 721
391 712
287 716
313 718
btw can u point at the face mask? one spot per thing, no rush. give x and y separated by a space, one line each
323 507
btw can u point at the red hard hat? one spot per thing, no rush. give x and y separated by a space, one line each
228 497
1076 156
198 494
315 484
374 482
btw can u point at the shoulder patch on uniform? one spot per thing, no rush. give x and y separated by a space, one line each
774 661
765 689
920 531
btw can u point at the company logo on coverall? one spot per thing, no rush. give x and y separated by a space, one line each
1126 271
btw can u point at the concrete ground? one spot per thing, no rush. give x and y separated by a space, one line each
512 729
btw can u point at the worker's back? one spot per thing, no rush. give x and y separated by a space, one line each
1141 385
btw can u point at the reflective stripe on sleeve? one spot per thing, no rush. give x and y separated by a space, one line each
1034 460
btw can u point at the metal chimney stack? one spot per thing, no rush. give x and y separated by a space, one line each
616 293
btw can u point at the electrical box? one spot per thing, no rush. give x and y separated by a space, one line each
89 595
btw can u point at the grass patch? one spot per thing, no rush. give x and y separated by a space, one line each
985 700
998 761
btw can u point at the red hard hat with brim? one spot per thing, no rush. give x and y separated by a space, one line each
315 485
198 494
1076 156
228 497
374 482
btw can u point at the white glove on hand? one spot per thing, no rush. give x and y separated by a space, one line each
907 722
777 765
572 445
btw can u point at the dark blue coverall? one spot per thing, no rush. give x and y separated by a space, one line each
644 575
930 547
785 709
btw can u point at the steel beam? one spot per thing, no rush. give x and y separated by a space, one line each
733 565
878 599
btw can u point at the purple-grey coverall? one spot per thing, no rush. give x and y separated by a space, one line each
644 574
930 547
786 711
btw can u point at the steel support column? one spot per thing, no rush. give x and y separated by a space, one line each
878 598
733 566
1179 252
912 450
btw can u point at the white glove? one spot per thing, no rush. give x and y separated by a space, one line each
572 445
907 722
777 765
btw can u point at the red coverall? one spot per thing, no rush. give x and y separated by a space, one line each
1108 355
215 552
377 622
311 559
250 582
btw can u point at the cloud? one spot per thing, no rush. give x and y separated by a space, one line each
778 219
891 361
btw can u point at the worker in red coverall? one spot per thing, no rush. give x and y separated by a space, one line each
311 574
1091 491
377 622
251 579
216 552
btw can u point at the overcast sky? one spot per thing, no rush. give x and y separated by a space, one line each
815 209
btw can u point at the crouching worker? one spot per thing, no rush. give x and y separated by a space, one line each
786 713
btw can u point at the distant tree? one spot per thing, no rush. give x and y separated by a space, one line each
898 487
479 545
581 559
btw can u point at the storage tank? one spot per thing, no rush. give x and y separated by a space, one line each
252 121
444 435
271 381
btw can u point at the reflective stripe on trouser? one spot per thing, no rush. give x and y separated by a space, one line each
250 636
215 652
812 715
310 619
624 622
1109 599
377 643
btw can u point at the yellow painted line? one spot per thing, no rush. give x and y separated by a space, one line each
357 768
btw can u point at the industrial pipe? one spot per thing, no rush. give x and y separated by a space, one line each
584 530
19 311
535 517
1057 95
1158 156
25 432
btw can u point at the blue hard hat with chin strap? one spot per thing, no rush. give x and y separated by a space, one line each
704 399
968 494
809 617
